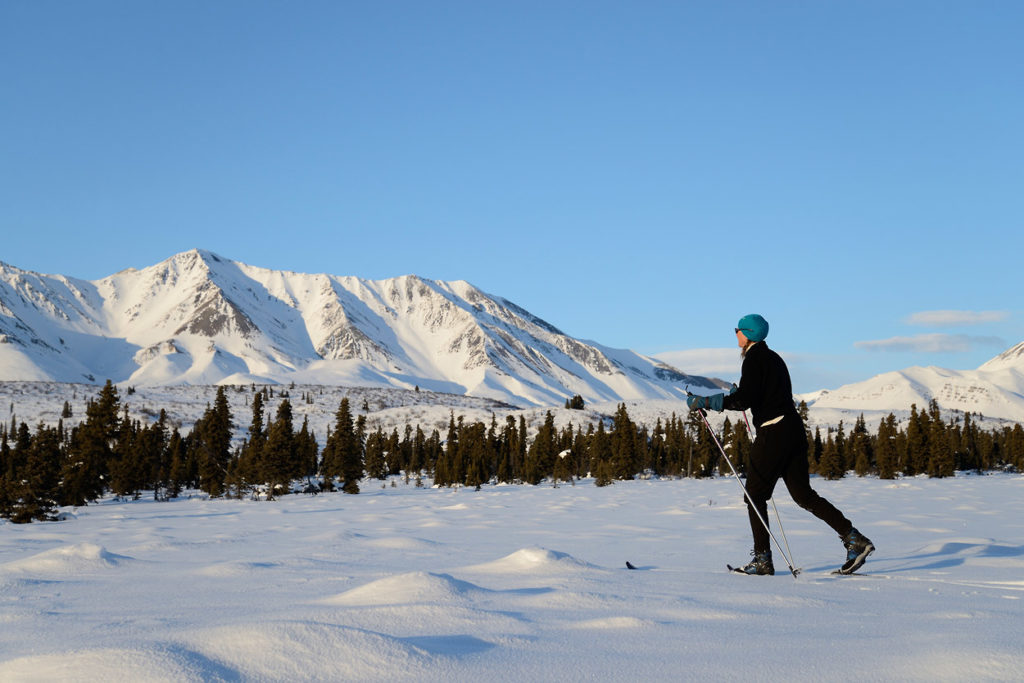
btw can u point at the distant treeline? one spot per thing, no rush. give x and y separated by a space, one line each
109 452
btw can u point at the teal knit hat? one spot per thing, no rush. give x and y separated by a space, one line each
753 327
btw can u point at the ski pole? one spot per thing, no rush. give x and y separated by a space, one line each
781 530
772 499
750 500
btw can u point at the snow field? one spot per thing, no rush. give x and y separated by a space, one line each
517 583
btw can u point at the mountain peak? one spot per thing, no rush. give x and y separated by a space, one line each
1011 359
196 258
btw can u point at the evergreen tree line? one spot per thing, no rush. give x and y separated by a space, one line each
925 445
109 452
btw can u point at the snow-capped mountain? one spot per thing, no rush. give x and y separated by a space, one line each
198 318
994 390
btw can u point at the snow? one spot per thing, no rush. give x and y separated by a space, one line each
518 583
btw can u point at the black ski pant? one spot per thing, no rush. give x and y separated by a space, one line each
780 452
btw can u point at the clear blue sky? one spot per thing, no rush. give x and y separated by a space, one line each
640 174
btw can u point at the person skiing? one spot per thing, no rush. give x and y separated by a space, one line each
780 447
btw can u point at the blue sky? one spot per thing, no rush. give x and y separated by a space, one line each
639 174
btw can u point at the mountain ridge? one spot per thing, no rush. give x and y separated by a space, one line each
199 318
994 390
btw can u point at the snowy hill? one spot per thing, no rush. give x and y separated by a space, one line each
198 318
995 390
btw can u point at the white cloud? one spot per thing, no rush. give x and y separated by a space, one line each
809 372
722 363
930 343
956 318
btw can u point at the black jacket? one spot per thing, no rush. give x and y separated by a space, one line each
765 388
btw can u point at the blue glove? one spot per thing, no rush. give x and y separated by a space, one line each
713 402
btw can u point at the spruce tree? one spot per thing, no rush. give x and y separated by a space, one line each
83 466
625 460
831 465
90 449
418 459
842 451
941 462
35 491
1015 447
5 480
817 447
251 456
448 470
955 441
493 444
805 416
126 467
863 453
579 451
393 453
885 448
212 436
161 462
374 462
106 409
563 470
307 450
542 452
917 453
432 449
601 457
972 450
703 454
506 459
739 446
177 472
279 464
474 452
677 446
519 451
343 451
6 477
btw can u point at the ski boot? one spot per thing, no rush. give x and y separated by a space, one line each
761 565
858 547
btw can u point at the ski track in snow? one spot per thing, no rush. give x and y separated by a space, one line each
516 583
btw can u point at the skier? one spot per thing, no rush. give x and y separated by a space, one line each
780 447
